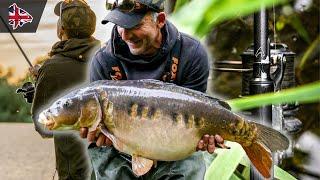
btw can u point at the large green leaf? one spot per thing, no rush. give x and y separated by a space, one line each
189 16
223 163
304 94
198 16
282 175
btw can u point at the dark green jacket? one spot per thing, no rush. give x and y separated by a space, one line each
66 69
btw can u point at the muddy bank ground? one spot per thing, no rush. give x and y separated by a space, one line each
24 154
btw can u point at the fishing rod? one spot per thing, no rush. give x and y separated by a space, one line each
15 40
261 81
27 88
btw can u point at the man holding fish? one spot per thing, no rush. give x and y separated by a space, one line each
144 45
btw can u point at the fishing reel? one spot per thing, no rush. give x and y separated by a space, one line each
282 74
27 89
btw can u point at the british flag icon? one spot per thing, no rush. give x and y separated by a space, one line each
18 16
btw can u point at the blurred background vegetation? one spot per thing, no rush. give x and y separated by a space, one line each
13 107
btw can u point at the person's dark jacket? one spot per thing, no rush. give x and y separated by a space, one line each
193 69
64 70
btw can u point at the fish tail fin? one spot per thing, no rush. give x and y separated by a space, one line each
273 139
259 152
260 157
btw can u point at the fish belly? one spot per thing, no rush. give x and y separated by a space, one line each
159 139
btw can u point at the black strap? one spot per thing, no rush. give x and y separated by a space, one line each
114 67
172 65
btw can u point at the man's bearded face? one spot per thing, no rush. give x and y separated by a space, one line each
141 38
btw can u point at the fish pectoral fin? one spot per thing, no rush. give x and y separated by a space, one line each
105 131
141 165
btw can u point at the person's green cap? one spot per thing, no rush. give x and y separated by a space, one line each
76 17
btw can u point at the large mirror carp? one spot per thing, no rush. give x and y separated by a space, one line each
152 120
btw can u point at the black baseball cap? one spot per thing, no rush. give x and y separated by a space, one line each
130 19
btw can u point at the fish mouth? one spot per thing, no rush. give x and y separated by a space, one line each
47 122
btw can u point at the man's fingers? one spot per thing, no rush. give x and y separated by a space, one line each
101 140
92 136
220 142
34 70
211 140
83 132
218 139
206 139
200 145
108 142
211 148
211 144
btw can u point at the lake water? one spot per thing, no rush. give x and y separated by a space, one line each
39 43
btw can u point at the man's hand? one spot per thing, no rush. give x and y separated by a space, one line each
34 71
210 142
100 139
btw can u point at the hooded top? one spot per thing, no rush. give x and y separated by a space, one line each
65 69
193 68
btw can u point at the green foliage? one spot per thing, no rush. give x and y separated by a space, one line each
297 24
13 107
281 174
304 94
226 162
223 165
180 3
289 17
207 13
311 49
187 21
